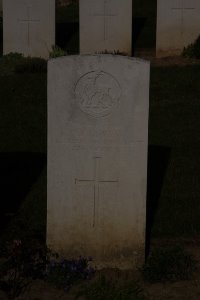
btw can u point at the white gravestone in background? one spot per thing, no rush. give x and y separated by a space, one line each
178 25
105 25
29 27
97 158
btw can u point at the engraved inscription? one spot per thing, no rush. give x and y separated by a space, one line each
83 135
95 182
106 13
28 20
97 93
182 9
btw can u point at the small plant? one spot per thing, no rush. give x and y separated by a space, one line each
9 62
12 56
169 264
115 52
31 65
21 262
106 289
65 273
192 50
57 52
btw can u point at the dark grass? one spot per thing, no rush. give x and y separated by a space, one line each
19 170
23 147
175 123
168 264
29 220
104 288
23 113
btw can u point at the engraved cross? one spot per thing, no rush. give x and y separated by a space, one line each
182 8
95 182
28 20
106 14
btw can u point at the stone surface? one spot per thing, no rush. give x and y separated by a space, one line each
178 25
105 25
97 158
29 27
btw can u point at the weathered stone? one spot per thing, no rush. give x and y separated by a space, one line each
29 27
105 25
97 158
178 25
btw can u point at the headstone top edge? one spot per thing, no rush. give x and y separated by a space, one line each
133 59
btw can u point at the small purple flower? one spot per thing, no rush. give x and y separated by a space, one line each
73 268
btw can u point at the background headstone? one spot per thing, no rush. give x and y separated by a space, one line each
97 158
178 25
105 25
29 27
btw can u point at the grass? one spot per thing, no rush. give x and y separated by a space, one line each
192 50
169 264
104 288
23 113
23 110
23 133
175 123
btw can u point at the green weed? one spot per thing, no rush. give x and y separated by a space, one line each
192 50
57 52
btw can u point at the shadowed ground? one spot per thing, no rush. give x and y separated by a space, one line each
18 173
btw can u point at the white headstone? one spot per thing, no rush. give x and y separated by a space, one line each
105 25
29 27
97 158
178 25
